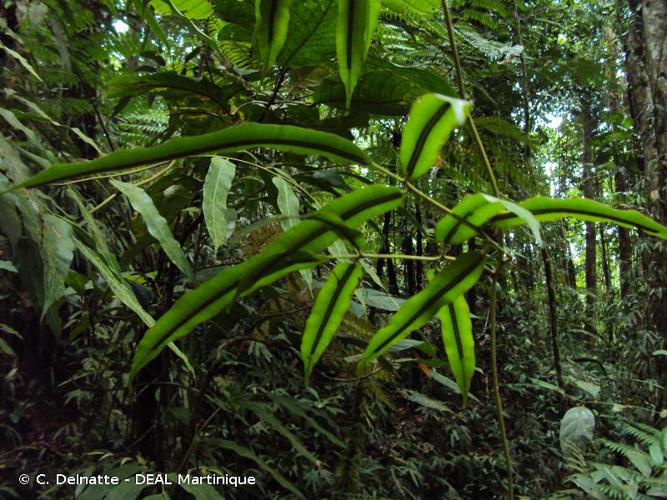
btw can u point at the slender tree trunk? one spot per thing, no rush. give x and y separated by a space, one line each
605 264
620 160
553 315
587 165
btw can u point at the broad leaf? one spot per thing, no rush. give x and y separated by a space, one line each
459 342
431 121
212 297
220 220
312 34
548 209
356 23
272 18
156 225
238 138
450 283
328 312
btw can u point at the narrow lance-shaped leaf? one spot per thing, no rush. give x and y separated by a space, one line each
57 249
238 138
272 18
356 23
220 220
459 342
327 314
156 224
548 209
432 119
214 295
415 312
469 216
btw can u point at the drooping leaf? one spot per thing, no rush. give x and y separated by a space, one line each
57 249
272 19
473 212
356 23
120 288
459 342
214 295
328 312
220 220
447 285
238 138
548 209
431 121
156 224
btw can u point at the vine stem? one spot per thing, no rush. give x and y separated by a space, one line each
462 91
496 385
494 298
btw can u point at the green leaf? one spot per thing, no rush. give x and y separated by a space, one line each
156 224
431 121
410 6
447 285
312 34
238 138
213 296
8 266
470 215
249 454
288 202
219 219
57 248
548 209
383 89
330 307
272 18
459 342
120 288
425 401
356 23
266 415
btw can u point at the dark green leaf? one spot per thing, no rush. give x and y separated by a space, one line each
451 282
459 342
213 296
431 121
239 138
327 314
356 23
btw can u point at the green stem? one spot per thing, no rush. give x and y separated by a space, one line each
496 386
462 91
494 300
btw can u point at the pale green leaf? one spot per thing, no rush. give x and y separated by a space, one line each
156 224
220 220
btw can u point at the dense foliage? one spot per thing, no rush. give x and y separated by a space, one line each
354 249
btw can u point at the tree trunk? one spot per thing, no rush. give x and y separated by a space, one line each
587 166
645 44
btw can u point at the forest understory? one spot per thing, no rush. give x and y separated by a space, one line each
333 249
